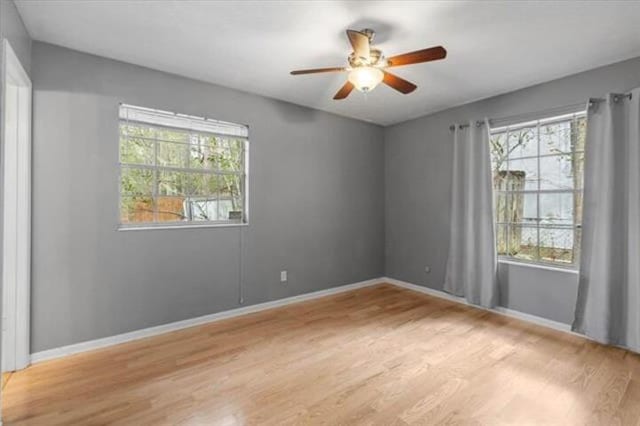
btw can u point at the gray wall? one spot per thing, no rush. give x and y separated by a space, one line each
12 28
332 200
316 204
418 157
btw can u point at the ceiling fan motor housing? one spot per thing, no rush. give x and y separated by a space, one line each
369 33
376 58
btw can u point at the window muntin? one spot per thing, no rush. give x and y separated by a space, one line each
181 170
538 177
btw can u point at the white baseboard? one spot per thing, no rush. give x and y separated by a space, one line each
498 309
179 325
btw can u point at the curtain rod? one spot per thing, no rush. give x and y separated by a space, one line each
591 102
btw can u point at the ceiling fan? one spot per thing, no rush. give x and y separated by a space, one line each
367 65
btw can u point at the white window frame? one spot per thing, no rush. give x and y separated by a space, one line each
193 125
576 227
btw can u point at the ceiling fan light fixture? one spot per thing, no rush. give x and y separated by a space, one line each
365 79
366 65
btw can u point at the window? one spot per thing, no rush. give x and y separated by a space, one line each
181 170
537 178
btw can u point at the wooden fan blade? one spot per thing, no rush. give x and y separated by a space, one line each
317 70
424 55
400 84
344 91
360 43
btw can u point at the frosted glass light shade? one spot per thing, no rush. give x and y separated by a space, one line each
365 79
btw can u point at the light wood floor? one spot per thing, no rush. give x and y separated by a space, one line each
379 355
5 378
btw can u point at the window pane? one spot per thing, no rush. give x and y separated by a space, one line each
501 207
203 208
134 181
498 151
556 209
202 153
174 183
580 130
230 198
523 242
577 206
555 138
504 180
225 208
201 157
578 170
170 209
230 155
556 245
173 154
136 209
172 135
557 172
525 208
516 207
137 131
203 184
523 142
210 209
136 151
237 211
501 240
522 174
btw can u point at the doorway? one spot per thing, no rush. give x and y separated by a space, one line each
16 211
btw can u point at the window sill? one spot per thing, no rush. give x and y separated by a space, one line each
569 270
167 227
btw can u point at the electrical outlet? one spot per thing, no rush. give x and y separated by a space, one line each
283 276
427 269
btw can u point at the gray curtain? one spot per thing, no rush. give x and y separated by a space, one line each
472 264
608 305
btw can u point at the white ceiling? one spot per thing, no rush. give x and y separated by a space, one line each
493 46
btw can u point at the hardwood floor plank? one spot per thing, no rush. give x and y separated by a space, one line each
379 355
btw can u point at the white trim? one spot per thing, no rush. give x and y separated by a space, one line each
568 270
534 319
179 325
520 121
498 310
16 279
127 228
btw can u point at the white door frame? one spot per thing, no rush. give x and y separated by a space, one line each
16 204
